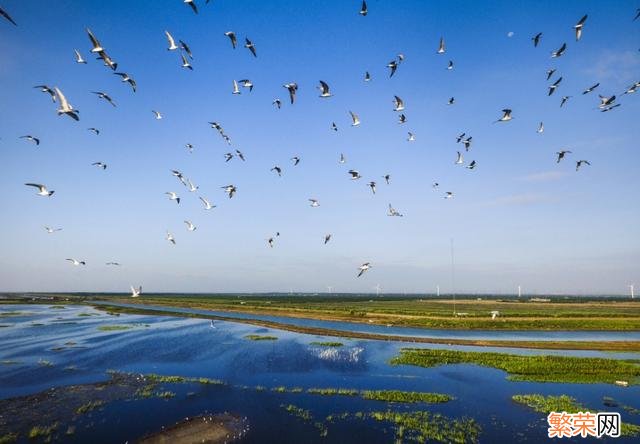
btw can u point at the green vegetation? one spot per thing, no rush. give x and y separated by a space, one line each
9 362
332 391
327 344
261 338
8 438
165 394
557 314
57 307
539 368
45 363
89 406
12 313
564 403
297 411
399 396
114 327
426 426
42 431
280 389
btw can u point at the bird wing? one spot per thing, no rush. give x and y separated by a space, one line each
172 42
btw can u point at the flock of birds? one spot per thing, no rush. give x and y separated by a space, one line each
606 104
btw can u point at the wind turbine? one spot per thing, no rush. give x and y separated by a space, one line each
437 290
377 287
631 290
519 291
330 288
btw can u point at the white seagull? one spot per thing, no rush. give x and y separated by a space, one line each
206 203
314 202
398 103
190 225
52 230
441 47
135 292
65 106
506 116
172 42
173 196
42 190
393 212
76 262
355 119
79 58
324 89
364 267
170 238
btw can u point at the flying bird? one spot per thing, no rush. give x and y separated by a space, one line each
173 196
364 267
42 190
327 238
135 292
459 159
402 119
398 103
467 143
189 147
448 195
553 87
277 103
579 163
96 131
561 155
31 139
450 65
506 116
536 39
236 88
97 47
606 101
46 89
292 88
127 78
392 65
170 238
540 129
65 106
460 137
324 89
206 203
193 5
354 174
451 101
578 27
100 165
240 155
180 176
190 225
171 41
441 48
185 63
591 88
334 126
250 46
104 96
79 58
472 165
367 76
372 185
186 49
558 52
550 73
393 212
342 159
363 10
564 100
296 160
230 190
157 114
314 202
410 137
354 118
387 178
278 170
232 37
76 262
52 230
192 188
115 264
246 83
7 16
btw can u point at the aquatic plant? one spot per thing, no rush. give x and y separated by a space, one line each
114 327
42 431
400 396
327 344
423 426
297 411
8 438
260 338
166 394
332 391
540 368
563 403
89 406
280 389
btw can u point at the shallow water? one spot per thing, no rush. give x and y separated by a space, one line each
190 347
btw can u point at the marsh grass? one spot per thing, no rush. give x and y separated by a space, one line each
260 338
564 403
89 406
423 426
114 327
408 397
327 344
8 438
42 431
539 368
329 391
45 363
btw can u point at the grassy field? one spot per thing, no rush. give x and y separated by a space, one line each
516 314
538 368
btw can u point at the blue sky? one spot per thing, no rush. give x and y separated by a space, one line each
518 218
